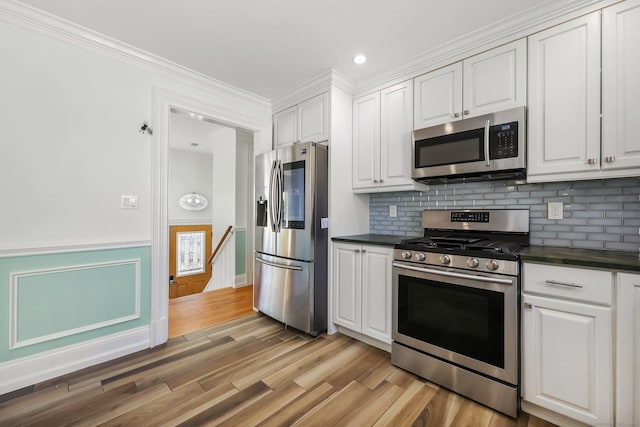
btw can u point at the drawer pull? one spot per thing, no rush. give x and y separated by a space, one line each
556 283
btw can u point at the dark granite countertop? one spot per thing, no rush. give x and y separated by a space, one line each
610 260
370 239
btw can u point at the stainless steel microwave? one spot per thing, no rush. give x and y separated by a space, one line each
486 147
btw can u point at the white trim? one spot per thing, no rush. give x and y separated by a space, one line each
31 370
364 338
241 280
163 101
493 35
14 278
188 222
59 28
70 248
311 88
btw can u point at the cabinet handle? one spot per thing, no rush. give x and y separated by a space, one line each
610 159
556 283
375 181
364 251
527 305
381 181
466 112
592 161
357 251
456 115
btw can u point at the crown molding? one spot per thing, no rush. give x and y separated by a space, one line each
498 33
45 23
311 88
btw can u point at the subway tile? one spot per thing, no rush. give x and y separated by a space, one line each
588 244
622 230
557 242
620 246
588 229
557 228
573 236
605 237
605 221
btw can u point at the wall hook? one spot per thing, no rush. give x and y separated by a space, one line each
145 129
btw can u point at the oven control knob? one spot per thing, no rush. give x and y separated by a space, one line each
445 259
473 262
493 265
406 254
420 256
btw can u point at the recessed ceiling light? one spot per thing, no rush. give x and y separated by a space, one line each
360 59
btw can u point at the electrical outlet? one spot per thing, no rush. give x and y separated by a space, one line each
129 202
393 211
554 210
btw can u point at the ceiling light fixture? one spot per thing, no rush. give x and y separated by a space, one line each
193 202
360 59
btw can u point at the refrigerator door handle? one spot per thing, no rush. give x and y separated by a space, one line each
278 198
273 264
272 189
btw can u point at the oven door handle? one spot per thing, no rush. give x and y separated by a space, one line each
457 275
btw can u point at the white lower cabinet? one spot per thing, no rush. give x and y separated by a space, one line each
362 289
628 350
567 341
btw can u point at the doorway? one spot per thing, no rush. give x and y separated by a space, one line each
208 195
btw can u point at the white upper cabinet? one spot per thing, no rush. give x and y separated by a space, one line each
621 85
495 80
306 121
366 141
438 96
564 98
491 81
382 126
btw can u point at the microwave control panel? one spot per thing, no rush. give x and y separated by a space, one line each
504 141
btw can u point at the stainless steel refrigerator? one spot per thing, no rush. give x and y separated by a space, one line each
290 273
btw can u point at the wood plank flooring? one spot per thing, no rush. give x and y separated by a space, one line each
194 312
249 372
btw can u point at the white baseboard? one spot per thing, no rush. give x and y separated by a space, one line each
241 280
44 366
365 339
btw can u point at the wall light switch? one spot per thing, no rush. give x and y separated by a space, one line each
393 211
554 210
129 202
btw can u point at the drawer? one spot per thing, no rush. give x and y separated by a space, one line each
579 284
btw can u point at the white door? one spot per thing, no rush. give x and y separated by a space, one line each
564 98
438 96
285 127
313 121
495 80
628 350
376 292
366 141
567 363
347 292
621 85
396 125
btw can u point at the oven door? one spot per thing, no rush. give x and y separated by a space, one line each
470 320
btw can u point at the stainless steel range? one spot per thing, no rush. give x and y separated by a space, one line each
456 303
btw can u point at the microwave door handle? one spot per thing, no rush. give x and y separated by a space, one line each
487 127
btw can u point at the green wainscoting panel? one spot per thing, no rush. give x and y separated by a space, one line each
54 300
241 257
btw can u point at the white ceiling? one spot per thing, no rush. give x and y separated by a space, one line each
185 130
270 46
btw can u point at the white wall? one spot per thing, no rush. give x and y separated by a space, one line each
188 173
244 176
70 142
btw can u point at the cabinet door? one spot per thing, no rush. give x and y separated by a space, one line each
346 280
628 350
438 96
366 141
564 98
313 120
285 127
396 125
621 85
567 364
495 80
376 292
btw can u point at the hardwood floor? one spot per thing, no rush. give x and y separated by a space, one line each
194 312
248 372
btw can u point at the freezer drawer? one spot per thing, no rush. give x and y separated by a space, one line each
283 289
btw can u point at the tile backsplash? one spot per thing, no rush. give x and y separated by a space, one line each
598 214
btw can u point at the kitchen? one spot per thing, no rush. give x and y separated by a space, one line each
350 213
